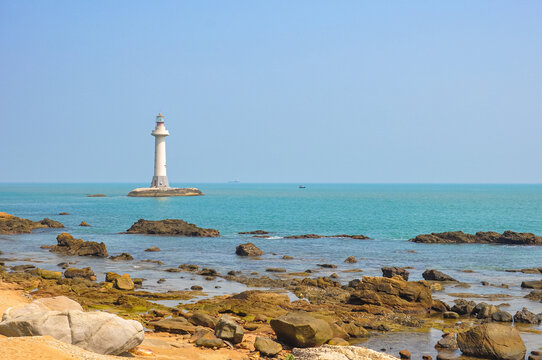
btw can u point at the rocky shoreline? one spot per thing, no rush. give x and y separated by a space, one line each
482 237
269 322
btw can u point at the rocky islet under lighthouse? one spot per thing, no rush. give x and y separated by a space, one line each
160 184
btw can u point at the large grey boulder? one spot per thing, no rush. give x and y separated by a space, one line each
302 330
492 341
100 332
227 329
57 303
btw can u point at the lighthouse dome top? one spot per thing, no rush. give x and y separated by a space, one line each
160 118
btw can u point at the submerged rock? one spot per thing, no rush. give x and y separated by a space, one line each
122 257
64 320
153 249
492 341
174 227
301 329
248 249
304 236
68 245
350 260
435 275
255 232
487 237
10 224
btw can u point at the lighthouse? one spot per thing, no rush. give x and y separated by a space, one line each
159 179
160 184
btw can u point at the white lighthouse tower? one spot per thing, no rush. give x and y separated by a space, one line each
160 184
160 178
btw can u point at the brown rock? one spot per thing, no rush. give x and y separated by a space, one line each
174 227
492 341
435 275
10 224
208 340
266 346
301 330
153 248
68 245
255 232
489 237
404 354
390 272
350 260
177 325
122 257
123 282
248 249
202 319
85 273
395 293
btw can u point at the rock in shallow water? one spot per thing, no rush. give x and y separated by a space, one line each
435 275
174 227
488 237
248 249
85 273
390 272
492 341
10 224
68 245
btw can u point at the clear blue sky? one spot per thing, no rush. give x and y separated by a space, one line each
272 91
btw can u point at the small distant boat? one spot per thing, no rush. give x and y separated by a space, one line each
302 186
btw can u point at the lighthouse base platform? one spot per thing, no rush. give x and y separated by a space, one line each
164 192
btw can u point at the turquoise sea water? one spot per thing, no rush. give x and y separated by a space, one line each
389 214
